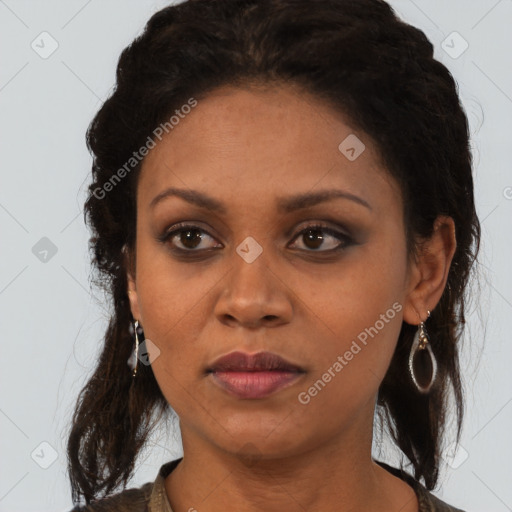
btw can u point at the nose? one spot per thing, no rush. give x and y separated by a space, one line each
254 296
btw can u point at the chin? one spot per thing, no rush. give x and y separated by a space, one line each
262 436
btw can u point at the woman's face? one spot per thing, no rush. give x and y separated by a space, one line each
244 276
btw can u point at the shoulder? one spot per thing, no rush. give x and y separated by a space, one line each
150 496
430 503
130 500
427 502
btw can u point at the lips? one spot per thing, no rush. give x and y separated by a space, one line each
253 376
262 361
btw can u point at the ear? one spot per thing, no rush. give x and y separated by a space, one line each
132 290
429 271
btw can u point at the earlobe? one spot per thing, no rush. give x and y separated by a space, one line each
132 291
430 271
132 295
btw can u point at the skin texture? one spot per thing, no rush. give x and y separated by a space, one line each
246 148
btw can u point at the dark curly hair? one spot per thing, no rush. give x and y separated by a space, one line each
363 61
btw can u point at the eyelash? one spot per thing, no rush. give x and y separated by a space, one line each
179 228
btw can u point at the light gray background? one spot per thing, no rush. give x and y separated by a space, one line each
51 327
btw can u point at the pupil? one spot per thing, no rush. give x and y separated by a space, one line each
187 237
313 234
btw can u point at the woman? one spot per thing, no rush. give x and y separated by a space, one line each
282 210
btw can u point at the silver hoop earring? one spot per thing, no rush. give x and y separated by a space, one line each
134 358
422 362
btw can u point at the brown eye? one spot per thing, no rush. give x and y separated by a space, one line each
187 238
317 237
313 238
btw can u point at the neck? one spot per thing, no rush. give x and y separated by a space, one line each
339 475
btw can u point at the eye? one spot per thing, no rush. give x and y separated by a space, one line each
187 238
317 236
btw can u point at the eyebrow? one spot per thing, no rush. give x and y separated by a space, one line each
285 204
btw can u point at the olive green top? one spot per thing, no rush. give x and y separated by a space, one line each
151 497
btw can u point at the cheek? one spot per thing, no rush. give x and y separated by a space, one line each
171 294
172 302
353 297
358 317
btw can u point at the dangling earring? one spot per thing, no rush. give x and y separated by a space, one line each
134 358
422 362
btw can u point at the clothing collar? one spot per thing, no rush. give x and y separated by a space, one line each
159 502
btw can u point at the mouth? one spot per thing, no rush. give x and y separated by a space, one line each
253 376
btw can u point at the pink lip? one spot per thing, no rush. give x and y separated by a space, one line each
254 384
253 376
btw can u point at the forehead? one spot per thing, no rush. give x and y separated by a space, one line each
261 142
